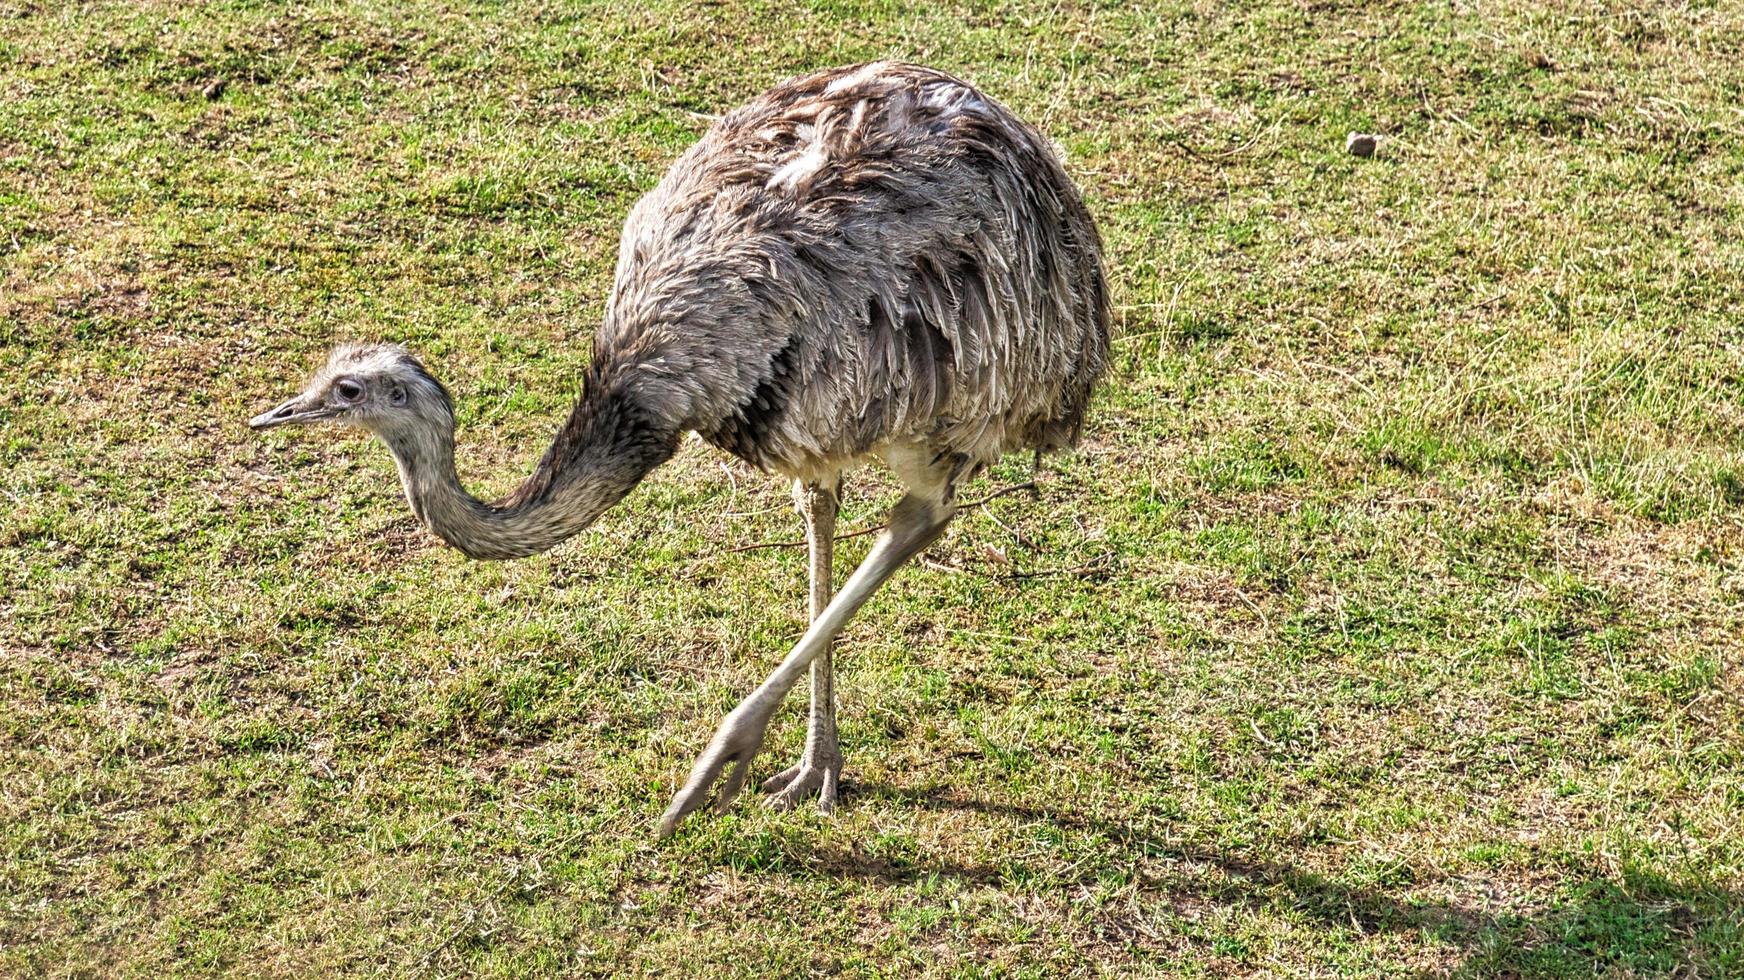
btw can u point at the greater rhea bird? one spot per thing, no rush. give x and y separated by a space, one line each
871 261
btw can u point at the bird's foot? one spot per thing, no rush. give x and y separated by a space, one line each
735 744
790 787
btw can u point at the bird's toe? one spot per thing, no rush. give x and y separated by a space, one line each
802 782
782 779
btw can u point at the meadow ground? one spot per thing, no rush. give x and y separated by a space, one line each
1388 622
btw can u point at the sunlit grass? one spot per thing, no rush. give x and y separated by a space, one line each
1387 623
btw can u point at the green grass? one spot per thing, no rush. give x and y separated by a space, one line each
1409 636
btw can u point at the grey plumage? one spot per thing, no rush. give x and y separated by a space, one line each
864 256
872 261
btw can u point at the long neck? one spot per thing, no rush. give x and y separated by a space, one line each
608 445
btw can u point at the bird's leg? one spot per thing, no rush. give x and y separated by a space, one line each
914 522
819 769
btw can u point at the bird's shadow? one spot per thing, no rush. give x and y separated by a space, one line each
1642 924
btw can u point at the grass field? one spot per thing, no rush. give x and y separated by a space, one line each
1388 623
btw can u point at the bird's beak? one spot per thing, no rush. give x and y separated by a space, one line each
299 410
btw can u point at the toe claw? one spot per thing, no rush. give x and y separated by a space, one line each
676 812
684 802
827 793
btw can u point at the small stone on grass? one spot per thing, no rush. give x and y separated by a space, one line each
1361 144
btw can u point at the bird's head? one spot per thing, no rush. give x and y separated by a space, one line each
379 387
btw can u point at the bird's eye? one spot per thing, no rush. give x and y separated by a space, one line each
349 390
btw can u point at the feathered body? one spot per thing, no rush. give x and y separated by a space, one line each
862 257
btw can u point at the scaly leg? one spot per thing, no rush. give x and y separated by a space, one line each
914 522
820 768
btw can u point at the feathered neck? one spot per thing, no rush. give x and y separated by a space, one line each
607 446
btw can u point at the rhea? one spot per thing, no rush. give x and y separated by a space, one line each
870 262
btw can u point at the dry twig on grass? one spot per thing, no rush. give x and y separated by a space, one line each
995 495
